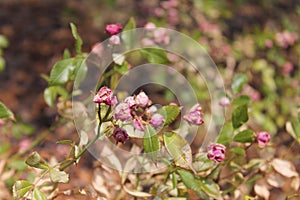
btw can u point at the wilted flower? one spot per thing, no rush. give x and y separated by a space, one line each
114 40
216 152
263 138
122 112
113 29
224 101
142 99
120 135
194 116
106 96
137 123
157 120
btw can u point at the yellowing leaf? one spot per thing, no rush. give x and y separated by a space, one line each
179 149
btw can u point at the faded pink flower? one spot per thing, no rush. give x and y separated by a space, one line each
216 152
113 29
285 38
169 4
263 138
1 122
224 101
146 42
106 96
157 120
287 68
130 101
114 40
150 26
122 112
194 115
137 123
120 135
161 36
24 144
268 43
142 99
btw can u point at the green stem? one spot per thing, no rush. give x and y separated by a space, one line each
72 161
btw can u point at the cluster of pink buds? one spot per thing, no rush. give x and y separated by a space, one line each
106 96
138 109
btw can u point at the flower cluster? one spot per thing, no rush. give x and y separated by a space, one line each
138 109
286 38
106 96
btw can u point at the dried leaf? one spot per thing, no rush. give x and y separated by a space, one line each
275 180
137 193
284 167
261 189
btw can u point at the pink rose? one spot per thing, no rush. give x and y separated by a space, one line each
216 152
105 95
263 138
194 116
113 29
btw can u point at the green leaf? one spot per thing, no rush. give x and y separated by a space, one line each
238 82
58 176
80 71
151 143
239 116
291 128
130 24
122 69
20 188
2 64
62 72
38 195
3 41
66 54
64 142
51 93
244 136
241 100
179 149
154 55
226 134
35 160
238 151
128 34
197 184
170 113
78 40
5 112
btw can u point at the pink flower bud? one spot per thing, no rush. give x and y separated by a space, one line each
113 29
137 123
194 116
263 138
122 112
224 101
269 43
105 95
142 99
114 40
120 135
216 152
157 120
